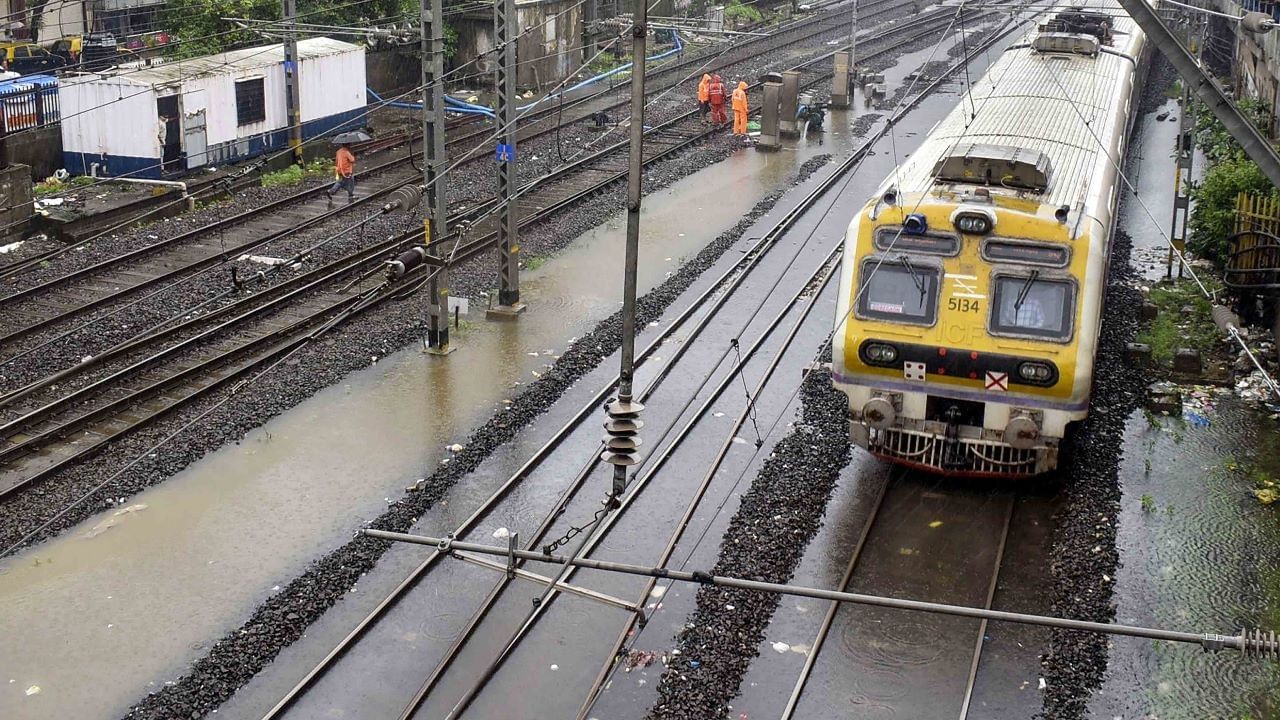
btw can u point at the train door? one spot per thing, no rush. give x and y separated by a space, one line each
195 142
169 131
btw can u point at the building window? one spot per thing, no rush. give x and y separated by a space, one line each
251 104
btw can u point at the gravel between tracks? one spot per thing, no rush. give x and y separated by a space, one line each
776 520
234 659
1084 541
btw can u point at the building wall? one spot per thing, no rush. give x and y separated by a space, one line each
104 117
1256 66
546 55
63 17
113 120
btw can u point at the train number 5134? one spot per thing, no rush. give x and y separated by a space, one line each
962 305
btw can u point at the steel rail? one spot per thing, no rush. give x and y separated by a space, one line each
705 484
316 280
594 459
828 618
1252 643
980 642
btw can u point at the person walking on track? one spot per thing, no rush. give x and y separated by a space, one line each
344 172
704 93
715 95
740 110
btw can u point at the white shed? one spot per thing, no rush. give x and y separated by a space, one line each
165 119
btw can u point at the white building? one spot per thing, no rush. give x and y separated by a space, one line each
165 119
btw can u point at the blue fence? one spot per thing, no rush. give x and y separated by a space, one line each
29 102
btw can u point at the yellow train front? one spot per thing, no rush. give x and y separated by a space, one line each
972 285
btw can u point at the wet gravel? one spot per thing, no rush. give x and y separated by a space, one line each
1084 539
765 540
235 658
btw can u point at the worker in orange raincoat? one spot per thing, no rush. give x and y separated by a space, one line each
740 109
704 95
715 95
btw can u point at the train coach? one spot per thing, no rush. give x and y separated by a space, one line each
972 285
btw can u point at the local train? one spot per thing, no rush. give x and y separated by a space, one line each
972 286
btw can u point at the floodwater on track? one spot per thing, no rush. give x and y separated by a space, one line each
124 602
1199 553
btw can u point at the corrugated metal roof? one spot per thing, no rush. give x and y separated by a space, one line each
234 60
1036 101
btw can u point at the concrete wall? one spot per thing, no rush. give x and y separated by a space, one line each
1256 65
546 55
40 149
15 193
393 70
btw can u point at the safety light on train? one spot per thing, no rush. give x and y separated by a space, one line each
915 224
1035 372
881 353
973 223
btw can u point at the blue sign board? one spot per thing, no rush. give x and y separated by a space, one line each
505 153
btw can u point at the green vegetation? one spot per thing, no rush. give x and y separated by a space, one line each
1174 91
1148 503
54 185
533 262
604 62
1230 173
742 14
1171 331
201 29
294 174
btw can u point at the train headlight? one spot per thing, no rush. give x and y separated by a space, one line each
973 223
880 353
1037 373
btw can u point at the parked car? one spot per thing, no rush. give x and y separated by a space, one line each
67 48
25 58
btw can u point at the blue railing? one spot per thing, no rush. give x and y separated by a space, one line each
29 102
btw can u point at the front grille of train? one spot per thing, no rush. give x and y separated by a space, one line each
970 455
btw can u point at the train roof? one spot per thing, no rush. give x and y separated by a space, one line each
1034 101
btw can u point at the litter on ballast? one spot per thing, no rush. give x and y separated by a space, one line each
501 533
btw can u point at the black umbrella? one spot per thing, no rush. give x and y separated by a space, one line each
353 136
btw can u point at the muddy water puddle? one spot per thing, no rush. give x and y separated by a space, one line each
125 601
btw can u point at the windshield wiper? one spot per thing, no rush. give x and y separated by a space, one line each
915 276
1026 288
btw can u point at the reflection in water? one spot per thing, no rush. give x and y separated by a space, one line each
126 601
1199 554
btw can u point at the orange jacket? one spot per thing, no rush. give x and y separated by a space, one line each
715 92
704 89
740 98
344 163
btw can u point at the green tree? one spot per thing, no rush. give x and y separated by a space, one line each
1230 173
201 29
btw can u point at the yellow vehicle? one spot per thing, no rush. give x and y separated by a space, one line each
26 58
971 291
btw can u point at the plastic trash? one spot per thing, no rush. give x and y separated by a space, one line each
1197 420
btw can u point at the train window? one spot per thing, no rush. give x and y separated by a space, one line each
935 243
1031 305
1021 251
898 290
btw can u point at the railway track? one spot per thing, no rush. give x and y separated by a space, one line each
923 541
449 687
45 432
475 145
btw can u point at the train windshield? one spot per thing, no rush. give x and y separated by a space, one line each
1033 305
899 290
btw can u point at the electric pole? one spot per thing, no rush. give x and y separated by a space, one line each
621 441
435 225
293 107
505 34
